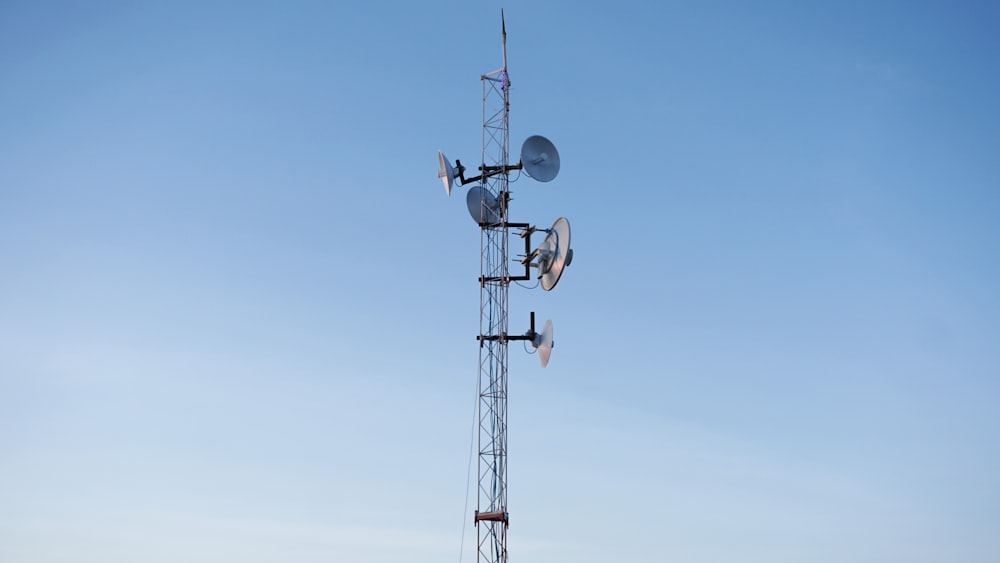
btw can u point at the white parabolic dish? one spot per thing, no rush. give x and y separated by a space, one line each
554 254
445 172
543 342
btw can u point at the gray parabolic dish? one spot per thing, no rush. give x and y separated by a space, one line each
539 158
483 207
554 254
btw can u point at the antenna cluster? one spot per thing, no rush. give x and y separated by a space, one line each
539 159
488 200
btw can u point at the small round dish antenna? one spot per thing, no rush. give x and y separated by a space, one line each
446 173
540 158
554 254
483 206
543 343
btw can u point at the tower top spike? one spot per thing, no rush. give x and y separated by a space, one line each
503 40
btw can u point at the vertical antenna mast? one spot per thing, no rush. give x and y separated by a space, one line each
488 202
491 516
503 40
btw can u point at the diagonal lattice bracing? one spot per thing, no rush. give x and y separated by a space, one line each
491 511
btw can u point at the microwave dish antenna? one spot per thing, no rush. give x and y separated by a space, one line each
447 173
554 254
542 342
483 206
540 158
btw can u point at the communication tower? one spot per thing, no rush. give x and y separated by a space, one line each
488 201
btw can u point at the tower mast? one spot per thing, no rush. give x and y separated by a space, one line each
491 516
488 202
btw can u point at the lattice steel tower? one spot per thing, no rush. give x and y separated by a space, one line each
488 204
491 512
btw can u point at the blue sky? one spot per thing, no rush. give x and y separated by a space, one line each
237 312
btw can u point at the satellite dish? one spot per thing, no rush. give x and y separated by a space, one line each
483 206
554 254
540 158
446 173
543 342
